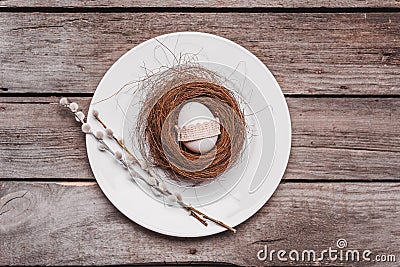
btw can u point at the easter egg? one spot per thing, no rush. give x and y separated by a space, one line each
196 114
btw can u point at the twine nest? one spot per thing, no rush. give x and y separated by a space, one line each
165 96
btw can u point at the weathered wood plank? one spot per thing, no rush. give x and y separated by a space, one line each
200 3
309 53
333 139
73 223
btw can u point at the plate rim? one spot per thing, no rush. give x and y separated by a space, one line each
284 154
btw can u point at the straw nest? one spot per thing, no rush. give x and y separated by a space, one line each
165 94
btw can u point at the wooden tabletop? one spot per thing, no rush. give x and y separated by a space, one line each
338 63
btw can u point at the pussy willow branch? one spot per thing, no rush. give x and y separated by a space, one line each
82 121
164 192
192 211
119 141
79 116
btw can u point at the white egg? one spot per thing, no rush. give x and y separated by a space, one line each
192 113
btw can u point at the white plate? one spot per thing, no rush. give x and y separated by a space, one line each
266 154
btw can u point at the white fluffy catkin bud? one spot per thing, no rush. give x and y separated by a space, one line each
101 147
99 135
151 180
109 132
178 196
86 128
95 113
143 164
129 160
118 155
64 101
172 198
155 191
133 173
73 107
79 116
162 186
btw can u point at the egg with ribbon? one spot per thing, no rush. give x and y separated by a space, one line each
198 129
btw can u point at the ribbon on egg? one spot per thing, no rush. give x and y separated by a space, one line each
199 130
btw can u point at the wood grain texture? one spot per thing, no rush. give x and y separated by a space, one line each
72 223
333 139
353 53
201 3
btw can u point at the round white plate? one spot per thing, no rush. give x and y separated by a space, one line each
267 151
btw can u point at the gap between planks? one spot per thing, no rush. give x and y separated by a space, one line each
203 4
44 9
